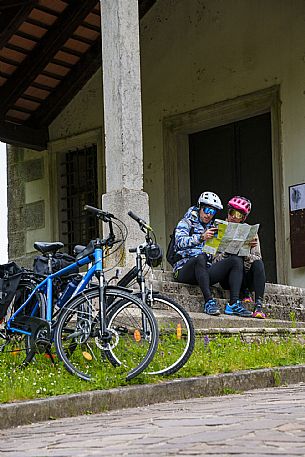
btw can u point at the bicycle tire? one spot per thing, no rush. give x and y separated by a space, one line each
176 336
17 349
77 338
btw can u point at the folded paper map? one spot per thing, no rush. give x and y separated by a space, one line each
232 238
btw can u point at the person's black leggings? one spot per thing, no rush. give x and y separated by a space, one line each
228 272
255 279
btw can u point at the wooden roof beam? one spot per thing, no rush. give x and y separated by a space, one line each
11 19
8 4
24 136
73 82
69 87
45 50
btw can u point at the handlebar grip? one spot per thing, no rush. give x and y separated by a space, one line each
140 221
132 250
134 217
92 209
99 212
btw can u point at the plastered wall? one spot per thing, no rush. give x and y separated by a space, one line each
84 113
195 53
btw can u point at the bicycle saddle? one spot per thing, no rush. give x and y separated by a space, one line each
45 247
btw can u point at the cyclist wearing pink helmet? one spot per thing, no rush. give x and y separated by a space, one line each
254 277
241 204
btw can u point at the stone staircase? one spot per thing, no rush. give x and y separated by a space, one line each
285 309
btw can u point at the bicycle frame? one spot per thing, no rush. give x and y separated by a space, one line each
137 272
46 287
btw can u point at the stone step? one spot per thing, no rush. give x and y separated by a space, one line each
295 294
272 331
203 322
287 311
291 300
248 329
254 334
281 301
167 278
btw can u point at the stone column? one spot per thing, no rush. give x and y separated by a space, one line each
123 116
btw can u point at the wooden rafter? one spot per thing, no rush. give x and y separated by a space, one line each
74 81
34 131
8 4
65 92
47 47
24 136
12 18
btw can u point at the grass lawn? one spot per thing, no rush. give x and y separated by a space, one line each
220 355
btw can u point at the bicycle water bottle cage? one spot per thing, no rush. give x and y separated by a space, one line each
45 247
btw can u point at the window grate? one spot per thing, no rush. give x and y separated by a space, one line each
78 187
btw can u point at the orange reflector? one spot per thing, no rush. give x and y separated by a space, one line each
48 356
87 356
179 331
137 335
16 352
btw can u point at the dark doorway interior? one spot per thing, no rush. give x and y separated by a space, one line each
236 159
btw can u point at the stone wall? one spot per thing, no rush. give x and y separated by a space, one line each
27 215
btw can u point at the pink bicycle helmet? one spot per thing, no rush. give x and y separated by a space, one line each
242 204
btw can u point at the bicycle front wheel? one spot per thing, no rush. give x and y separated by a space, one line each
176 335
130 342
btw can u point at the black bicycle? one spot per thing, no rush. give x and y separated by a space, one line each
176 330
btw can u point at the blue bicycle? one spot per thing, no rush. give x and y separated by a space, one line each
97 324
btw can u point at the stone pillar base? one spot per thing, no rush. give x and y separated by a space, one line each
119 202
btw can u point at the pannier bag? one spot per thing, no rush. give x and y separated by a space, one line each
60 260
10 274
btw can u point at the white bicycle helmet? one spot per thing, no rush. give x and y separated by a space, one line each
210 199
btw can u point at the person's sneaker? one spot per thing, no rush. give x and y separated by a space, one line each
210 307
258 312
237 309
248 301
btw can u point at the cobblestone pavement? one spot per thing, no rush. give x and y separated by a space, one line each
269 422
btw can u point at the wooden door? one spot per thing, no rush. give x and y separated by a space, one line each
236 159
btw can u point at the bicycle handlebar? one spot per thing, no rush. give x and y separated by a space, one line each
140 221
104 215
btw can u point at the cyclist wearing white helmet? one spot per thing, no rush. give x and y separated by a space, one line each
254 275
195 267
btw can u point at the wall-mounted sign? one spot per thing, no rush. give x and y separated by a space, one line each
297 197
297 224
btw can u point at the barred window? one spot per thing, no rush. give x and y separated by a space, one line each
78 187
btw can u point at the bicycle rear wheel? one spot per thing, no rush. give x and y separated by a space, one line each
176 335
130 346
16 349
